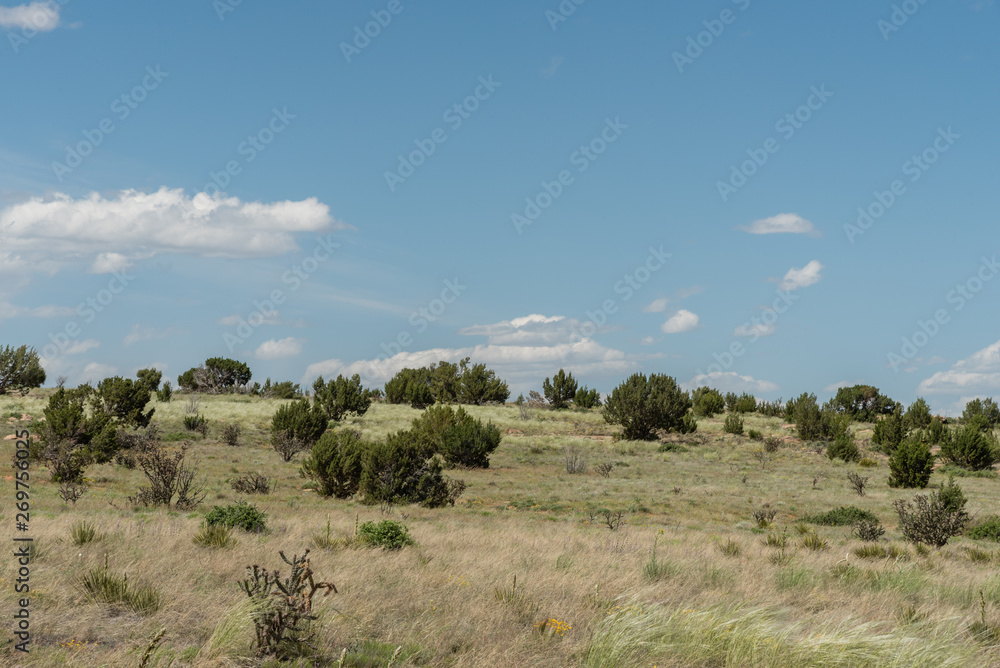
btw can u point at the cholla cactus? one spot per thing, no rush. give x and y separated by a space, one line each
284 606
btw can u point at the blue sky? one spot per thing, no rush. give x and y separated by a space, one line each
603 187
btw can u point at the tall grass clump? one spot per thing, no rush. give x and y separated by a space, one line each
103 586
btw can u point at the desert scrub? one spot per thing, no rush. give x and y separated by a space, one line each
215 536
387 534
240 514
103 586
84 532
842 516
733 424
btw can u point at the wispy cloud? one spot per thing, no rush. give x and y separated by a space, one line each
783 223
730 381
801 278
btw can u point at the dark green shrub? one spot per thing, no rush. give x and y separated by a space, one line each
296 427
707 402
165 393
387 534
733 424
889 432
240 515
231 434
843 447
397 470
862 403
731 399
771 408
20 370
457 436
218 374
986 409
986 529
746 403
479 385
341 397
150 378
560 389
194 422
586 398
918 415
284 390
936 431
755 435
644 405
929 520
335 463
911 464
813 424
952 497
842 516
970 448
410 386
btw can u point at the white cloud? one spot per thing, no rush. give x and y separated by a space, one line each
529 329
648 341
40 16
657 305
78 347
801 278
95 372
279 349
977 373
783 223
140 333
8 310
730 381
108 263
682 321
130 225
833 387
756 329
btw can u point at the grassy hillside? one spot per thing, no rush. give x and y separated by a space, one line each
713 593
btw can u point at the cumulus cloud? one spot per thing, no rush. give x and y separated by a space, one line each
117 229
530 329
801 278
40 16
95 372
977 373
279 349
682 321
756 329
783 223
730 381
659 305
8 310
140 333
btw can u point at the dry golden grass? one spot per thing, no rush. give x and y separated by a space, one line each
523 517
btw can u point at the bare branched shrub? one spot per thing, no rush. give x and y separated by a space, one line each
929 519
71 491
771 444
604 469
524 411
613 520
287 445
252 484
764 515
168 477
868 530
192 406
857 482
231 434
762 457
575 462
